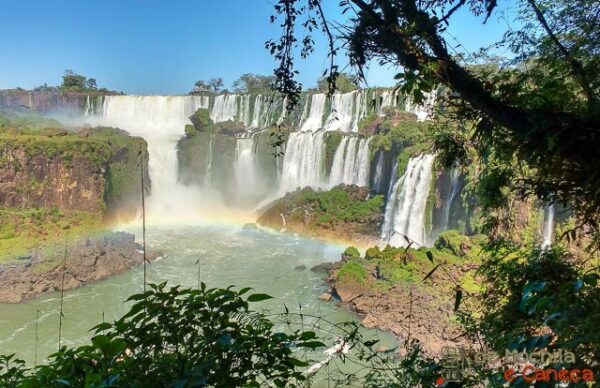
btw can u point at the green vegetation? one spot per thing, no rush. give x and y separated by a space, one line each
332 141
380 269
254 84
174 337
201 120
213 85
77 83
396 131
108 152
337 205
344 83
24 230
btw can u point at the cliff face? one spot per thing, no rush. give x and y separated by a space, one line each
94 170
40 180
42 101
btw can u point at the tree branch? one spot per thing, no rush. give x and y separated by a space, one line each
577 67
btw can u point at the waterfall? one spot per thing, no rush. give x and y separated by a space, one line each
337 167
256 114
209 156
303 162
349 169
224 108
388 99
363 161
548 234
423 111
314 121
88 106
245 167
351 166
245 110
160 120
342 117
378 175
405 209
454 189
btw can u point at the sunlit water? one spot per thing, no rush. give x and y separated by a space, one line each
227 256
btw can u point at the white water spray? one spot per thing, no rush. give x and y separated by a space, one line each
405 210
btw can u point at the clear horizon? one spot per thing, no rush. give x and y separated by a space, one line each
163 48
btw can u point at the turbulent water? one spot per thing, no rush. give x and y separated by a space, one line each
226 256
405 209
303 162
160 120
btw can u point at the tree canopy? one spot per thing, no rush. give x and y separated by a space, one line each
254 84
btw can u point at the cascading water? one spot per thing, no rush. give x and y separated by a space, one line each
378 178
160 120
342 116
257 113
350 165
314 121
405 209
548 233
337 167
303 162
423 111
225 108
454 190
209 157
245 167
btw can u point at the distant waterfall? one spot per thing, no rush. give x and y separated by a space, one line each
548 233
454 190
160 120
405 209
303 161
225 108
378 178
209 157
246 169
257 113
351 164
314 120
343 116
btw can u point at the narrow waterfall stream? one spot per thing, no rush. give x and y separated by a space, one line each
405 209
548 232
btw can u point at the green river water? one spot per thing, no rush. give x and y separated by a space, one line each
227 256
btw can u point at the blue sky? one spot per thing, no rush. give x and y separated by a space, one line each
159 46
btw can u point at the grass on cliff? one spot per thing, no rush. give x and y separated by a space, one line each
338 205
380 269
25 230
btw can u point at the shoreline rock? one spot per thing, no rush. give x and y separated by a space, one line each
90 260
390 310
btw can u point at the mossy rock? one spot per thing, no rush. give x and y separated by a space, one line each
350 253
454 242
201 120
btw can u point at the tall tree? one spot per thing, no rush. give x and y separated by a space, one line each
216 84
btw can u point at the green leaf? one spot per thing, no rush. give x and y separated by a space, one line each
259 297
429 256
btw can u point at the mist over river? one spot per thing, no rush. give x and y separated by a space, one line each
227 256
